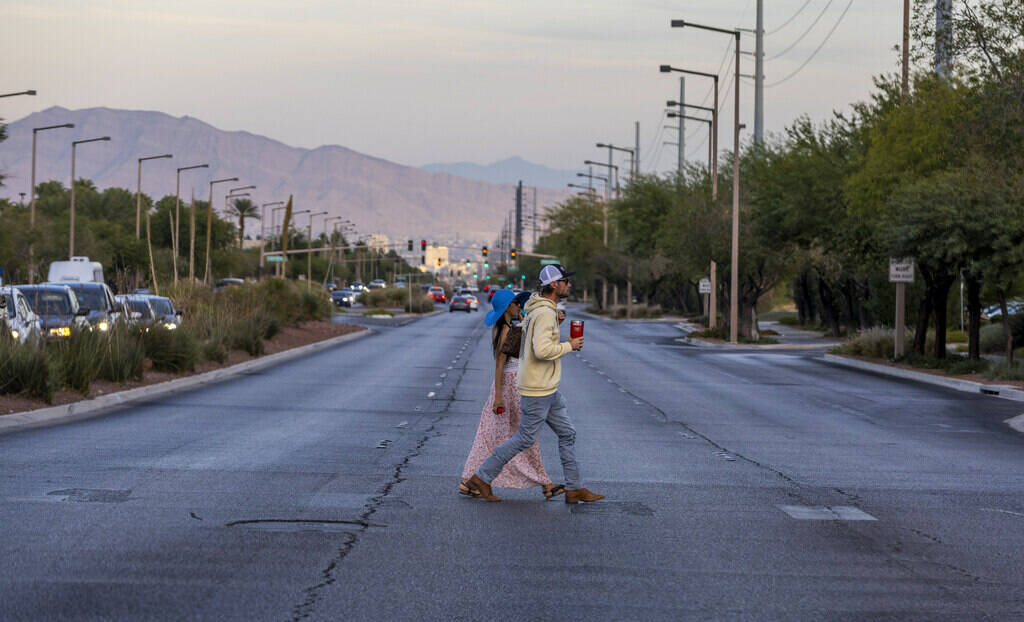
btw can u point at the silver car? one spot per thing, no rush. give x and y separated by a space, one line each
17 317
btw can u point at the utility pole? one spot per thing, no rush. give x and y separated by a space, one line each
533 247
682 125
905 90
943 37
759 76
519 217
636 157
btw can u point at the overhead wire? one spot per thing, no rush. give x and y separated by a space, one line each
805 33
818 49
788 21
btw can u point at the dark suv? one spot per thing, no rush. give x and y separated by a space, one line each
57 307
98 300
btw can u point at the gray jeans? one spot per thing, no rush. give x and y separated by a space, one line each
535 411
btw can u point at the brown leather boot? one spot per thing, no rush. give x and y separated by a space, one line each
581 495
479 485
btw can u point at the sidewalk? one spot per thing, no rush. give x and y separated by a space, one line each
789 338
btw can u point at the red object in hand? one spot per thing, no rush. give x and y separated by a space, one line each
575 329
501 410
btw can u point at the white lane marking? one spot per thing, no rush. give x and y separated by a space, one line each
821 512
431 394
443 375
1002 511
437 384
403 424
637 402
449 367
1017 423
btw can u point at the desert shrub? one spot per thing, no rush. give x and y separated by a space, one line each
268 324
769 333
171 350
789 320
420 304
247 336
878 342
387 297
124 354
1001 371
215 350
316 305
27 370
993 339
379 312
77 358
962 365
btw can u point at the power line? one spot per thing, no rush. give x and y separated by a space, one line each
815 52
805 33
788 21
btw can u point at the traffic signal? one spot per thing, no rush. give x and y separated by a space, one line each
523 277
423 245
439 262
484 251
486 265
467 263
476 276
512 253
410 244
488 277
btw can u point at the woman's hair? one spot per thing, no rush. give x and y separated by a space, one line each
498 326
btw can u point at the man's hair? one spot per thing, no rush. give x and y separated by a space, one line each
546 289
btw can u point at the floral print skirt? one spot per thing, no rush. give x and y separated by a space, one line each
523 471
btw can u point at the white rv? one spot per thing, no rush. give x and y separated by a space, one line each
79 269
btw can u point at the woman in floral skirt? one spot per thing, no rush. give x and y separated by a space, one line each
500 417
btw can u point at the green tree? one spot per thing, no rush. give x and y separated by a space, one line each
242 209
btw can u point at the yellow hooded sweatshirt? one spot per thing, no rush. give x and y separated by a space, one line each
540 371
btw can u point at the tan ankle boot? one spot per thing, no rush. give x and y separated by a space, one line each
479 485
581 495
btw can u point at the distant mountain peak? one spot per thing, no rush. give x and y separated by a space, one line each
508 171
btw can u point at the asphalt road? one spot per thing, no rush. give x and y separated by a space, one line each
741 486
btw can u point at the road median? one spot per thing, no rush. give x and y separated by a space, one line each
96 406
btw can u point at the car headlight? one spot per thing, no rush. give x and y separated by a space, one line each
103 325
61 331
170 325
15 334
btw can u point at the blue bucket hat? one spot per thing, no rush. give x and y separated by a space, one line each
499 303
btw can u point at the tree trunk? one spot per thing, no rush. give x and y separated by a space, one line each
940 301
1006 328
829 313
973 318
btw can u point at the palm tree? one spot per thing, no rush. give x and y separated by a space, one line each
242 209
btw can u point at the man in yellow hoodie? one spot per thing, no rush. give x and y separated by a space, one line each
540 372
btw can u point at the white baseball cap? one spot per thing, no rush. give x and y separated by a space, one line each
552 273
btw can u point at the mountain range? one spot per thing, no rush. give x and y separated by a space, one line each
379 196
507 171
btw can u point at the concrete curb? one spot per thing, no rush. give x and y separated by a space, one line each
995 390
100 405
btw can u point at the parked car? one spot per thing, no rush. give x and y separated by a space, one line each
98 300
460 303
57 307
378 284
140 311
343 297
77 270
18 318
165 312
437 294
1013 307
228 282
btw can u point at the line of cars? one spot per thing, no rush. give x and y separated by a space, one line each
71 300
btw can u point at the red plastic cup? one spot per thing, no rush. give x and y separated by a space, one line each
575 329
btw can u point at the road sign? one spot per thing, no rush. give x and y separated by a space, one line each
705 285
273 258
901 270
549 262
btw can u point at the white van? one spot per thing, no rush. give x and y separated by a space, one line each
79 269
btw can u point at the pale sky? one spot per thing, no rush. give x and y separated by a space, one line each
418 81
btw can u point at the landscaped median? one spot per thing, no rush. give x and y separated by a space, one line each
221 332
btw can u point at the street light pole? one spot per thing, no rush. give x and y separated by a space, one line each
735 257
71 235
714 120
176 232
263 232
138 193
28 92
209 226
309 246
32 213
674 115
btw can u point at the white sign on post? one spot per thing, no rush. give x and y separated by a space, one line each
901 270
704 286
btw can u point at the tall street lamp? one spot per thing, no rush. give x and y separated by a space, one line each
674 115
176 230
631 152
714 116
263 232
309 246
74 145
32 213
209 231
735 259
138 193
28 92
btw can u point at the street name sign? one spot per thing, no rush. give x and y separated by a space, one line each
705 286
549 262
901 270
273 258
